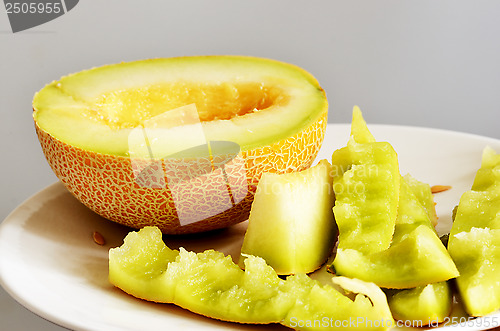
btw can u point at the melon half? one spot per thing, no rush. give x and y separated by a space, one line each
179 143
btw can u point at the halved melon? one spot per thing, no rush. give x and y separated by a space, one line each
179 143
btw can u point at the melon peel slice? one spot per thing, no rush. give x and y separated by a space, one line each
212 285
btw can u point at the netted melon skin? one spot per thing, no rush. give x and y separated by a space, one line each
107 185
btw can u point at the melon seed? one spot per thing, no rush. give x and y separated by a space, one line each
440 188
98 238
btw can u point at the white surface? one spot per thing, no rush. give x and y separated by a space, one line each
50 263
428 63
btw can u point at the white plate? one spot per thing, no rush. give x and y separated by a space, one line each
51 265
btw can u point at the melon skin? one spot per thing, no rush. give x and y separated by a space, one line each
107 185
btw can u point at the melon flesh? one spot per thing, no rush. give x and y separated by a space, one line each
291 223
97 109
423 193
366 184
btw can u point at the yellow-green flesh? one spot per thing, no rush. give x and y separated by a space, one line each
474 241
250 101
291 223
428 304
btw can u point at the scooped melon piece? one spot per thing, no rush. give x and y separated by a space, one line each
428 304
366 185
474 241
210 284
351 304
477 255
179 143
291 223
207 283
414 261
416 256
385 234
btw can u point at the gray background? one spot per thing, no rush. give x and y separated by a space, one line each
423 63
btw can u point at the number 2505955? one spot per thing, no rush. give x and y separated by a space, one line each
481 322
33 7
